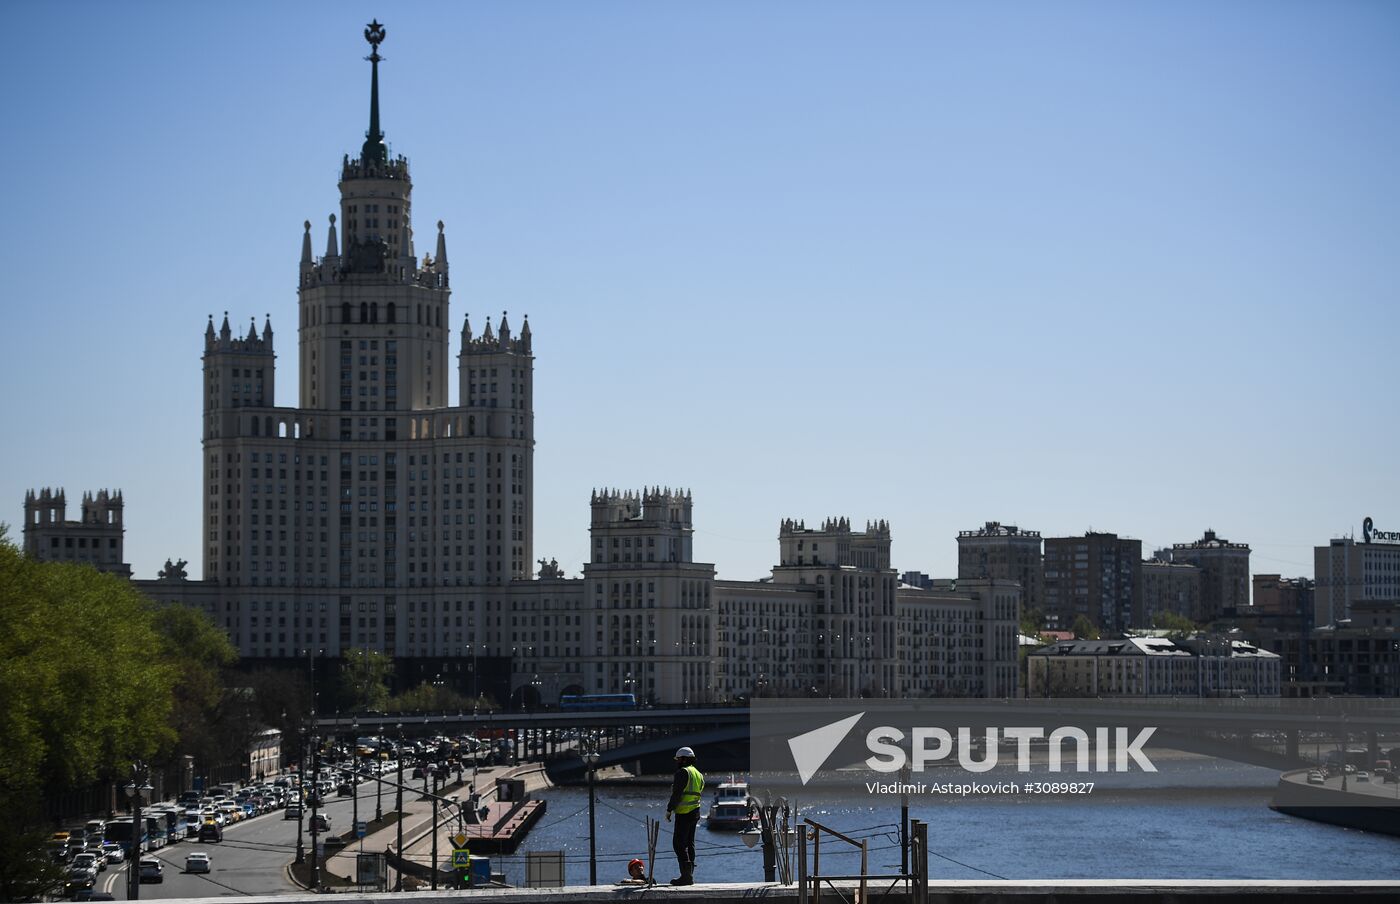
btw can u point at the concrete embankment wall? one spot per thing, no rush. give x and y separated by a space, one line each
1104 891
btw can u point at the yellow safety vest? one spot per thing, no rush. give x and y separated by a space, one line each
690 797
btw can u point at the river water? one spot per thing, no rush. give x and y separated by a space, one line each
1196 819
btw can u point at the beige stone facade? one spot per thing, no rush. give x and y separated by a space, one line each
1007 553
94 539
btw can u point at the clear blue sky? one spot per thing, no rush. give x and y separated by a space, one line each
1129 267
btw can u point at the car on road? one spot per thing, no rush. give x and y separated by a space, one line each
1363 776
321 822
114 852
151 870
78 878
197 862
211 832
293 811
89 860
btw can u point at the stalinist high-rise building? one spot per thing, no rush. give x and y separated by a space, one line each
373 515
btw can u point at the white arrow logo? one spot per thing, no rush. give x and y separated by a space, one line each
810 750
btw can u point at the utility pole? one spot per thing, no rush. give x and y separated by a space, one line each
434 864
398 823
136 789
355 776
301 798
590 760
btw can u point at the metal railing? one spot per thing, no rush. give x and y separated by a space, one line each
810 881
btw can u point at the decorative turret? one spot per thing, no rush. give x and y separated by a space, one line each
209 333
267 330
306 245
505 331
466 331
441 249
225 334
332 243
525 335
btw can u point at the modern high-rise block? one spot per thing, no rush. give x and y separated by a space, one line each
1098 576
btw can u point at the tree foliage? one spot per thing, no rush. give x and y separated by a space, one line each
364 679
1083 628
93 676
1177 625
429 697
1032 622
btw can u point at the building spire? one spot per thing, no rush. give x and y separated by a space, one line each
374 150
306 243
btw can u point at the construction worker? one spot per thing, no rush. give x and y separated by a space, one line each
686 788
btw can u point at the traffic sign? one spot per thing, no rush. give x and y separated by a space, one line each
360 829
459 840
461 858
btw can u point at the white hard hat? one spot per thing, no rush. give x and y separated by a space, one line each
685 751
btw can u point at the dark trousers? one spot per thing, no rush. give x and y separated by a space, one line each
683 840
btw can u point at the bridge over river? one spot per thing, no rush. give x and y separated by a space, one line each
1262 731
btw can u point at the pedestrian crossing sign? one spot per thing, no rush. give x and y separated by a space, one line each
461 859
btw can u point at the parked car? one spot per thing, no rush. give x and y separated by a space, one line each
151 870
197 862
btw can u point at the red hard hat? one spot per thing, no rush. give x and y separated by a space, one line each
636 869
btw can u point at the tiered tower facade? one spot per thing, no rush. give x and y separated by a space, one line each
95 539
854 615
373 514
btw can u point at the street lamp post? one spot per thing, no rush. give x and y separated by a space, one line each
590 761
137 790
355 777
379 788
301 797
314 799
398 808
434 863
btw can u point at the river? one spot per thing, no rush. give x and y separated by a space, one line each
1196 819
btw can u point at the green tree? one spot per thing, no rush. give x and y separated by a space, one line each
1083 628
1176 625
213 721
1032 622
429 697
85 689
364 679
